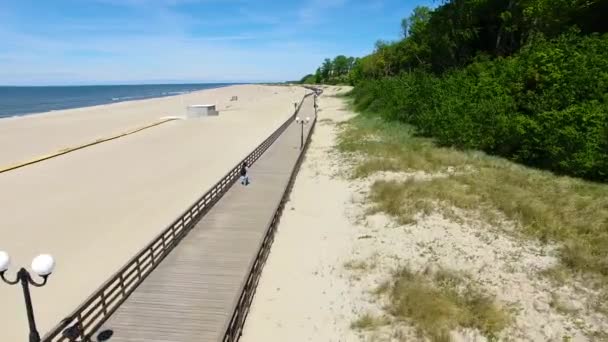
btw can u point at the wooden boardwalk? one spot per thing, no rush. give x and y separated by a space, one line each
193 292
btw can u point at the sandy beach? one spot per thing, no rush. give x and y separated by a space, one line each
94 208
53 131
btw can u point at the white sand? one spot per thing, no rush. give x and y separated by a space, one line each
307 294
95 208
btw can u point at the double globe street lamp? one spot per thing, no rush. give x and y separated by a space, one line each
43 266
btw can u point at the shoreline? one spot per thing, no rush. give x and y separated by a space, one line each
111 101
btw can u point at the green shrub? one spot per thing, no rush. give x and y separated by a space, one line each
546 106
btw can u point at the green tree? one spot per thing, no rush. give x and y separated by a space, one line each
351 63
308 79
416 23
326 69
340 65
318 76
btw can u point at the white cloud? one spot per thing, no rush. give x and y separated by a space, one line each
160 45
160 57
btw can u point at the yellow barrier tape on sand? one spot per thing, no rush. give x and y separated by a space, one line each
72 149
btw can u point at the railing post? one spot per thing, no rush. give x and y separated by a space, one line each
173 234
104 305
80 325
137 265
122 285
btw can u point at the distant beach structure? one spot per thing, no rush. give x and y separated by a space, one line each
201 110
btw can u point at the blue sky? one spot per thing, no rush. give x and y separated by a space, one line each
146 41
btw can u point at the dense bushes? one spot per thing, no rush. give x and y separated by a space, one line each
523 79
546 106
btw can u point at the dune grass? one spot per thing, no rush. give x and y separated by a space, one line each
359 266
436 303
570 212
368 321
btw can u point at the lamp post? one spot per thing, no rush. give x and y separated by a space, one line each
43 266
302 122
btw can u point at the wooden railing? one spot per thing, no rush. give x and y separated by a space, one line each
90 315
234 328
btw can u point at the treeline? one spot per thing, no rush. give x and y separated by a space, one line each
525 79
334 71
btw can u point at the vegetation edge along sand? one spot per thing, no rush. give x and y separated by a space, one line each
401 265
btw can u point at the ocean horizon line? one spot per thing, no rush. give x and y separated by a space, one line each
114 84
135 83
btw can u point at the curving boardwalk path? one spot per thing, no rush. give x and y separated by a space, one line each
193 293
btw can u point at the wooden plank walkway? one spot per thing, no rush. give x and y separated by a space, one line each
192 294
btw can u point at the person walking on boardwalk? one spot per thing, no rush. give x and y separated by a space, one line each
244 175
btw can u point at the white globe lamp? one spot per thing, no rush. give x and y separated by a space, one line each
43 265
5 261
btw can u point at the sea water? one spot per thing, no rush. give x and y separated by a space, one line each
15 101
